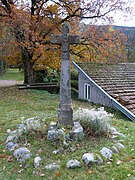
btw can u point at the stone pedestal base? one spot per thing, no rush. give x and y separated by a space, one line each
65 114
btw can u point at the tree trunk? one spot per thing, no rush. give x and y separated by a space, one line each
29 73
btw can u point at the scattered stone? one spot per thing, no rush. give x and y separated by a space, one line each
114 149
54 133
120 141
73 163
32 123
10 138
57 151
118 162
65 144
119 146
37 161
20 171
22 154
92 158
77 132
8 130
114 133
52 166
11 146
53 124
107 153
112 130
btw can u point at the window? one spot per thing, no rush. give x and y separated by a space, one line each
87 91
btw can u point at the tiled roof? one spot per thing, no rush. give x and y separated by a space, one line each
118 80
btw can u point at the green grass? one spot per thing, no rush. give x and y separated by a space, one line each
12 74
15 104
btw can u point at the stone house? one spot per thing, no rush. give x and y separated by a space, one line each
111 85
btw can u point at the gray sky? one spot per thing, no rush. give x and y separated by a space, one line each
121 18
125 19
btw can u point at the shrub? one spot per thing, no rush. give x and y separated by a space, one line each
74 84
74 93
74 75
94 122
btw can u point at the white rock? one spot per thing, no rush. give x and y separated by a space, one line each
107 153
73 163
22 154
55 134
8 130
53 124
10 138
115 133
56 151
52 166
92 158
37 161
11 146
88 157
114 149
77 132
119 146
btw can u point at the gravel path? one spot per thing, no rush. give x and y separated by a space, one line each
7 83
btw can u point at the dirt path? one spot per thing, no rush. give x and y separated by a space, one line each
7 83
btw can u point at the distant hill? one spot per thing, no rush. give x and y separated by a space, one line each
130 33
125 29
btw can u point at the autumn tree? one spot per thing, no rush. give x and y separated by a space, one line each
32 23
102 44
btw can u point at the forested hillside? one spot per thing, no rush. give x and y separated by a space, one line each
130 33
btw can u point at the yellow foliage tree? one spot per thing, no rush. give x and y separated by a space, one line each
32 23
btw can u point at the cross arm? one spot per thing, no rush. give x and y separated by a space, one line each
74 39
56 39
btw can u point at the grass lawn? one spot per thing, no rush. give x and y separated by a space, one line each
16 104
12 74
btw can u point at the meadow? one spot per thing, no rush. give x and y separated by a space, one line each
16 105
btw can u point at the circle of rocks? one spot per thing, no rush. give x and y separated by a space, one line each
22 153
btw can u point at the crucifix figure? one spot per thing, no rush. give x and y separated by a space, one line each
65 110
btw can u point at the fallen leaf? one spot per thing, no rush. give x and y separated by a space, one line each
1 142
10 158
89 171
128 159
58 174
2 156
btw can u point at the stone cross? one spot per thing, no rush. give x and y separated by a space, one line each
65 110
